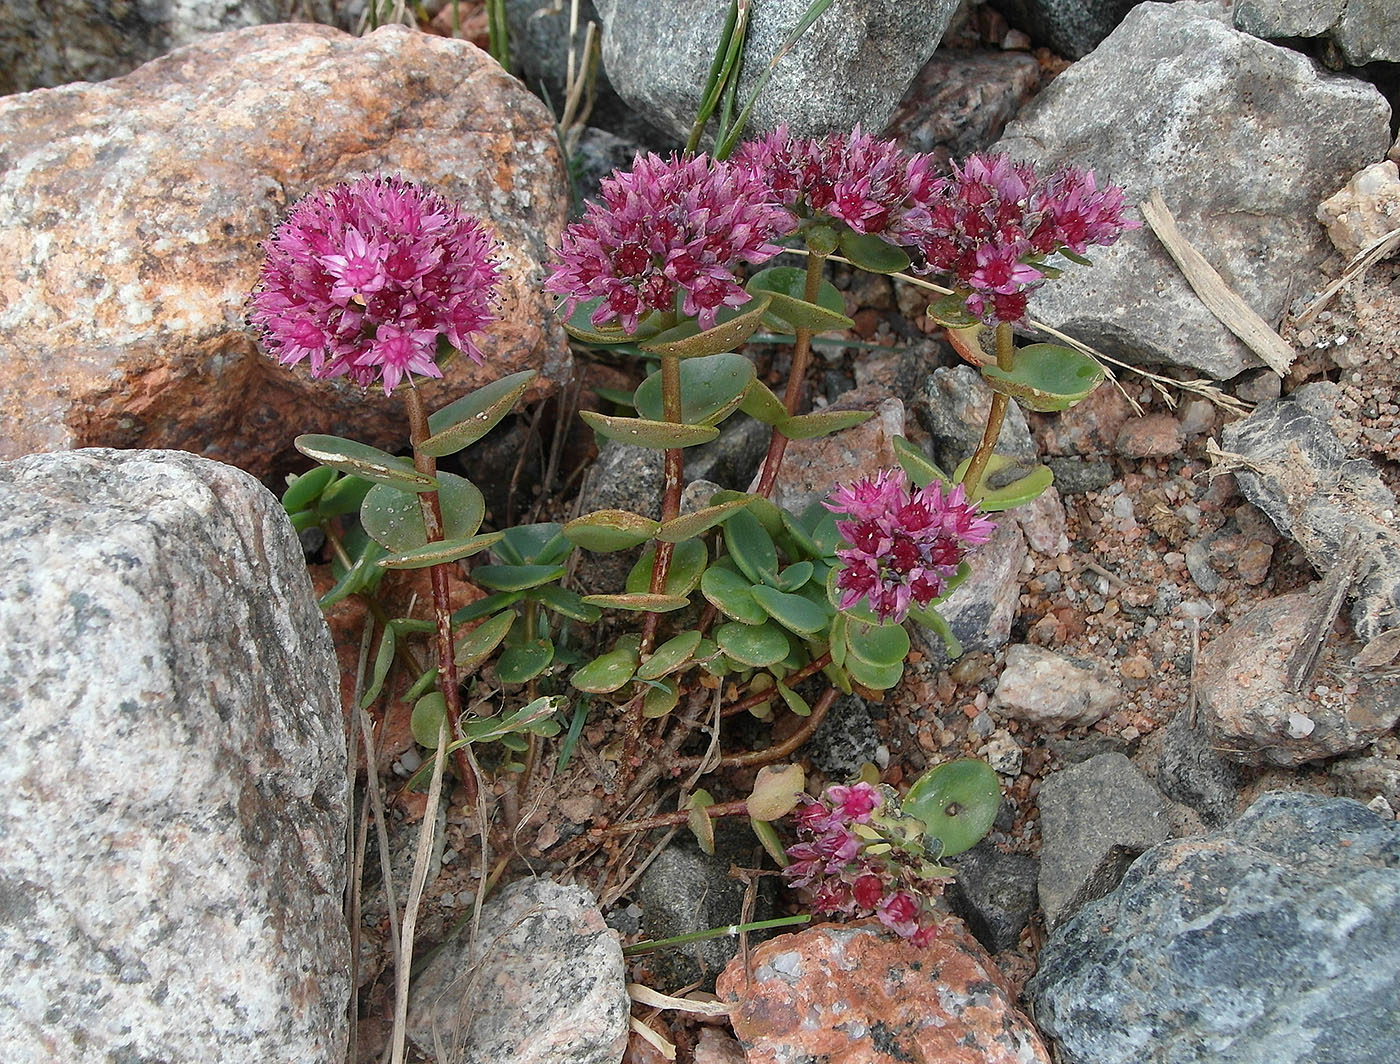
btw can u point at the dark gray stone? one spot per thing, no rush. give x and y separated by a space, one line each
1095 819
1073 28
981 610
1170 87
1276 940
852 66
844 741
962 100
1299 473
1076 476
686 890
994 893
173 801
1192 772
1364 31
953 410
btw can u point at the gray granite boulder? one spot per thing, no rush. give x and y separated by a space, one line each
1243 139
1364 31
173 798
1275 940
851 66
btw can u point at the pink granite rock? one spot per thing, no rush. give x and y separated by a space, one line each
133 211
856 994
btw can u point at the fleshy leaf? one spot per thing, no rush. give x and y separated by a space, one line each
951 312
761 404
305 489
567 603
916 464
515 577
641 432
688 560
426 722
439 553
768 835
711 389
690 525
1018 492
732 595
537 544
753 644
794 612
642 602
344 496
776 791
580 326
795 702
517 664
871 253
484 607
787 284
661 697
471 417
699 820
878 644
751 547
669 656
474 647
725 336
362 460
362 575
607 672
822 423
875 677
957 803
794 576
610 530
395 519
1047 377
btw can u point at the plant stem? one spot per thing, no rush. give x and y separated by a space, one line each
671 497
773 753
771 693
1006 354
666 820
801 357
713 932
442 605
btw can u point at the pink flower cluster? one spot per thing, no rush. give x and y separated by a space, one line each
870 185
836 864
667 226
903 546
363 279
994 222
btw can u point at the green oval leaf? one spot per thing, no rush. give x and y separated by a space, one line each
471 417
641 432
660 699
1018 492
878 644
642 602
365 461
794 576
916 464
690 525
484 607
345 496
793 612
725 336
305 489
699 821
580 326
426 722
610 530
761 404
439 553
787 286
567 603
519 664
751 547
688 560
538 544
957 803
776 791
711 389
732 595
475 646
395 518
951 312
607 672
1046 377
875 677
869 252
753 644
515 577
822 423
669 656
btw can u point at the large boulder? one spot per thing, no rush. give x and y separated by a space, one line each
1242 138
852 66
1363 31
173 800
131 214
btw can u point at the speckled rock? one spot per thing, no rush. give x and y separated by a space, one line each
173 804
1043 521
981 609
1289 463
1364 31
131 212
1169 87
1042 687
1365 209
994 892
1277 939
1095 819
1088 429
855 994
849 67
962 100
1071 28
543 984
812 468
844 741
953 410
52 42
1251 710
1149 436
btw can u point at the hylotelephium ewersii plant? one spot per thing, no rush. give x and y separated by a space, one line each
739 602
